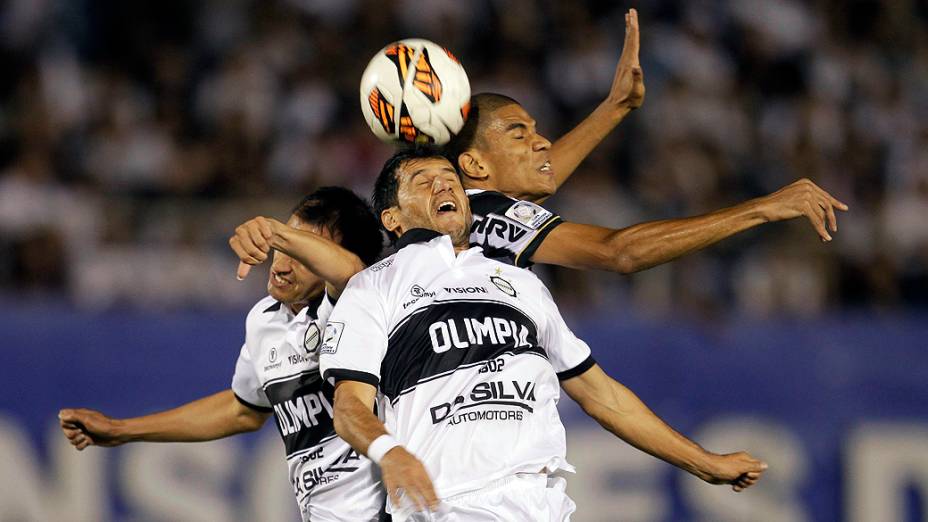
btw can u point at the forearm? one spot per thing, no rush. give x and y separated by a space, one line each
622 413
649 244
356 423
324 257
572 148
209 418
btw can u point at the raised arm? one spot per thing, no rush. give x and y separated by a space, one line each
254 239
621 412
356 423
626 94
649 244
209 418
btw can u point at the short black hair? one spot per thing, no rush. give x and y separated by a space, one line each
387 185
345 213
481 106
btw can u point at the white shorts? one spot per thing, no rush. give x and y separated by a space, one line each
523 496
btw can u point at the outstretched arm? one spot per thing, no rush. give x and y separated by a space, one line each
649 244
621 412
356 423
626 94
209 418
254 239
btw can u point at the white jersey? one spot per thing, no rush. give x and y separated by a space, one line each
278 371
509 230
468 352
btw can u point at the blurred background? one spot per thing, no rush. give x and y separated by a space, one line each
134 137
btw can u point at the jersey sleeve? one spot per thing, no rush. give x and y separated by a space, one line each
355 338
509 230
245 383
568 354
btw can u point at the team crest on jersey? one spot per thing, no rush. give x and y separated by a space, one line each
333 334
311 338
503 285
529 214
272 357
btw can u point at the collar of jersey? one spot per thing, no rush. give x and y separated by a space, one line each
310 310
422 235
416 235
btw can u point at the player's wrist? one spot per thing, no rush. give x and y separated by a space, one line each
706 466
121 432
762 208
614 109
280 234
382 445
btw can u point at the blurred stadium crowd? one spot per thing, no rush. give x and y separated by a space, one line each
134 136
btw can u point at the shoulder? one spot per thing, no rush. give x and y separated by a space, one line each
524 213
262 312
487 201
375 274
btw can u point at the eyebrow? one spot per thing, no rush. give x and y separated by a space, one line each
516 125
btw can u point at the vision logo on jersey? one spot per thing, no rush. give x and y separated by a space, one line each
333 334
529 214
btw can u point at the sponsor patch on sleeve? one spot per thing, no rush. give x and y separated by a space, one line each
333 334
529 214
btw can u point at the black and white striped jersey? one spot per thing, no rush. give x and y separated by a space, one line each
468 353
278 371
509 230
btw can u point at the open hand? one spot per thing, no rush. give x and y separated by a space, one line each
84 427
804 198
627 90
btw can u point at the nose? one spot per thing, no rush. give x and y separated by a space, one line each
440 184
541 143
282 263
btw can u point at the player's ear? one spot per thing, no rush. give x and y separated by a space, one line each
472 166
390 219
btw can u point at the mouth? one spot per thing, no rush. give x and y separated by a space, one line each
446 207
278 281
545 167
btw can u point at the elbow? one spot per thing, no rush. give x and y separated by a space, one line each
352 268
250 422
624 263
619 257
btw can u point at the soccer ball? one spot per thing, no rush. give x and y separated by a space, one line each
415 91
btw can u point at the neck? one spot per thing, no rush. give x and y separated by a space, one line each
486 184
479 184
299 305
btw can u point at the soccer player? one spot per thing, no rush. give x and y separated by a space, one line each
278 368
470 354
508 169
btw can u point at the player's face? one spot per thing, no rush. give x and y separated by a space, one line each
430 195
290 282
517 156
